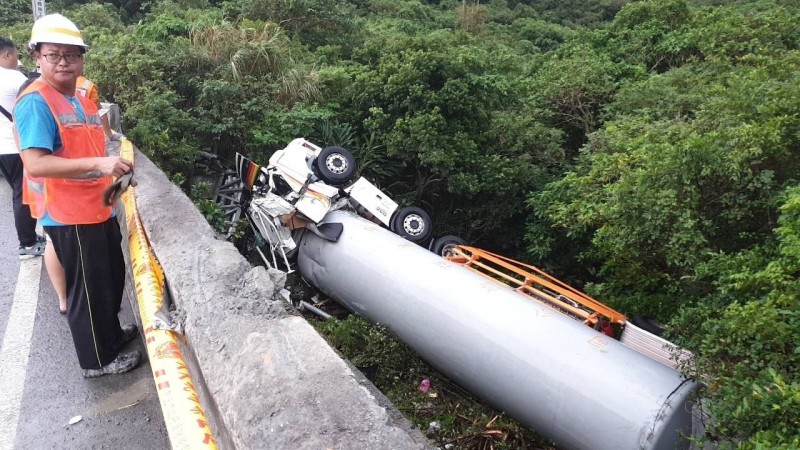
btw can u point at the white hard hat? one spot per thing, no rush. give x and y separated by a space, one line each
55 29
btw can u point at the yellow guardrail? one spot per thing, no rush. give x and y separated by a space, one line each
184 417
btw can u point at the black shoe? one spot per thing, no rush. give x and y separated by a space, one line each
37 249
129 331
124 362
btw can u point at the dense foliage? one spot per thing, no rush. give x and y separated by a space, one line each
645 150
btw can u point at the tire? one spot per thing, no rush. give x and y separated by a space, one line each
413 224
335 166
443 246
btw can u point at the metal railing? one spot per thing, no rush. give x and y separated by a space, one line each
536 284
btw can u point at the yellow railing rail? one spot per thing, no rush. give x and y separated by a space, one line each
184 417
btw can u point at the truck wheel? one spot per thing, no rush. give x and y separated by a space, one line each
443 246
335 166
412 223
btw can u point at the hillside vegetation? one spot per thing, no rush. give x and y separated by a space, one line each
646 151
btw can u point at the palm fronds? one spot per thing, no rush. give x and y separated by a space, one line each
261 51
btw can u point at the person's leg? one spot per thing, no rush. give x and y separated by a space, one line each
57 277
91 307
117 260
11 168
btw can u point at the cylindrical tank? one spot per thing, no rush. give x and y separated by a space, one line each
568 382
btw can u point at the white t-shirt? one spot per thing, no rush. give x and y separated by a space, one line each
10 81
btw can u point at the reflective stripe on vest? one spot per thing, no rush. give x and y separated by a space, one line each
36 185
69 119
69 201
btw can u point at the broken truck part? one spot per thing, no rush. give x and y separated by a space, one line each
300 185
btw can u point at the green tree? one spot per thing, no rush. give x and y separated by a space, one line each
746 338
657 197
651 34
574 86
314 22
450 116
13 12
591 13
543 35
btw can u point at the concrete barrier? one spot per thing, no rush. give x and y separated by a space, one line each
267 379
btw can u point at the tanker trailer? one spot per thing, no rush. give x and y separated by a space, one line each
570 383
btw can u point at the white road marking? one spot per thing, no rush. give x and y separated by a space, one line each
16 348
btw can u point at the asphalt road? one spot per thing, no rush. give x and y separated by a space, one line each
41 387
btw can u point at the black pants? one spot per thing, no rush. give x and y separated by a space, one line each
11 168
95 272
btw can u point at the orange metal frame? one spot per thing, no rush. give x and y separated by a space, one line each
535 284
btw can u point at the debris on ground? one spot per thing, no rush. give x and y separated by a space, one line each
424 386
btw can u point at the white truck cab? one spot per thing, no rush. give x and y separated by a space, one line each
304 182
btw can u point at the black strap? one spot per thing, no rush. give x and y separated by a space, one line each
31 78
7 114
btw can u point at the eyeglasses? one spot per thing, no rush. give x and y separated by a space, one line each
55 58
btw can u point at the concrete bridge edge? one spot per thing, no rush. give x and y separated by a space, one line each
266 378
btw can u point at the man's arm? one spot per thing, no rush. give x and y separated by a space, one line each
37 132
40 162
107 126
9 90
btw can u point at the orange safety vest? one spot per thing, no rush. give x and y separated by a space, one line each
85 88
82 85
69 201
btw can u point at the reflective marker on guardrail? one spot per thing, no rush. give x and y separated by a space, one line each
184 416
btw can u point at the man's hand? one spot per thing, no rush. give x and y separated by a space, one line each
112 193
42 163
114 166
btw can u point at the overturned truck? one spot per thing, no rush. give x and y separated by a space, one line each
558 361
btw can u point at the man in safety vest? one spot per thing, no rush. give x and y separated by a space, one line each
87 89
63 152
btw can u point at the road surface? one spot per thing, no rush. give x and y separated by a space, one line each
41 386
